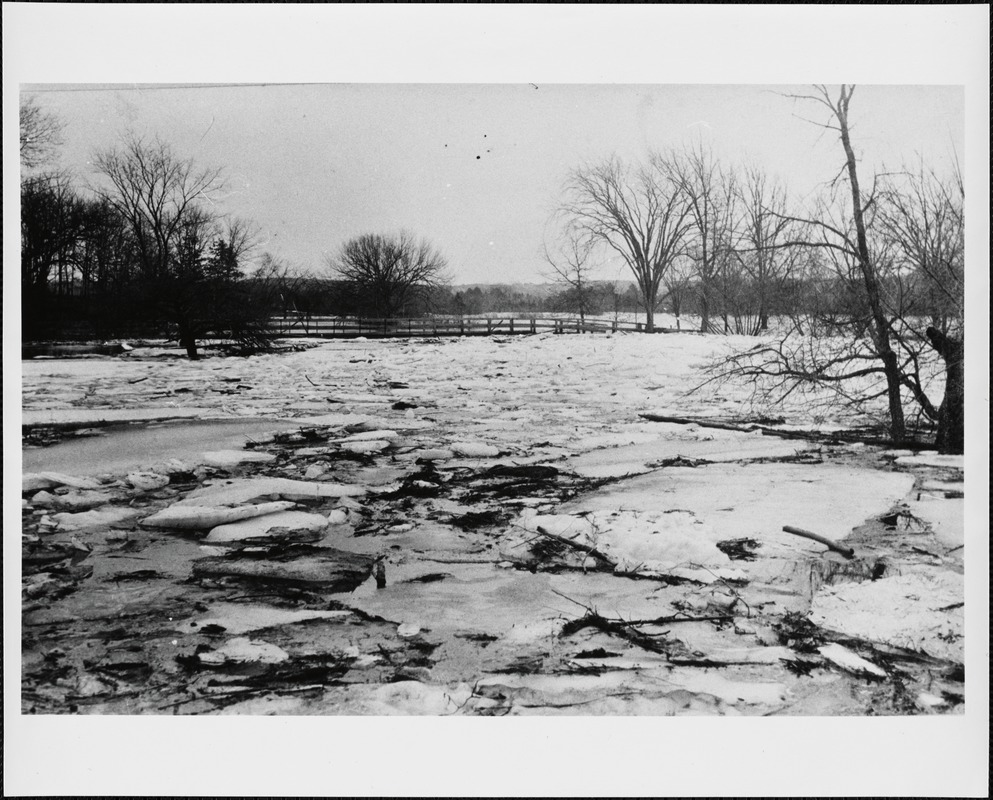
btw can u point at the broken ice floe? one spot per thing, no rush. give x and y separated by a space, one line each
434 454
377 434
231 458
846 659
33 481
316 567
237 618
147 481
71 501
241 650
733 500
246 490
96 518
261 526
648 543
475 450
366 446
918 611
407 630
201 517
946 517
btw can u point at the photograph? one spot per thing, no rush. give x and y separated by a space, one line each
469 396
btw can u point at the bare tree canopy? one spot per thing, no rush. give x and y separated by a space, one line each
159 194
922 220
637 212
769 270
387 275
41 133
922 216
190 258
709 192
884 286
572 264
678 281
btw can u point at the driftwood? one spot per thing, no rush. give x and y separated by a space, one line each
581 548
588 550
627 629
702 423
847 552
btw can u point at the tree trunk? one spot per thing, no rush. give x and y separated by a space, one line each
881 336
189 341
649 318
951 414
891 369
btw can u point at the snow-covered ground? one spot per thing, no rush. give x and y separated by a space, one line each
451 471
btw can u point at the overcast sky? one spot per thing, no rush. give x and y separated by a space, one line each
476 169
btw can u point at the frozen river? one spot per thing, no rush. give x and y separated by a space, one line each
478 526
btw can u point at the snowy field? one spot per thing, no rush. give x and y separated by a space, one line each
478 526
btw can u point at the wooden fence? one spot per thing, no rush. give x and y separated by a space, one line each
354 327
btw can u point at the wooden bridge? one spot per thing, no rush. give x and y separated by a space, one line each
301 325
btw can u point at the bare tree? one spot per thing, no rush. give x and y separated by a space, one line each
51 214
637 212
51 222
166 204
159 194
869 336
41 133
879 328
922 218
571 263
678 281
710 195
767 266
388 275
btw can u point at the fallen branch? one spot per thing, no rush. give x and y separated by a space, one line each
593 620
702 423
581 548
625 629
847 552
634 574
676 618
832 437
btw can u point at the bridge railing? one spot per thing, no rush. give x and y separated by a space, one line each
301 325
